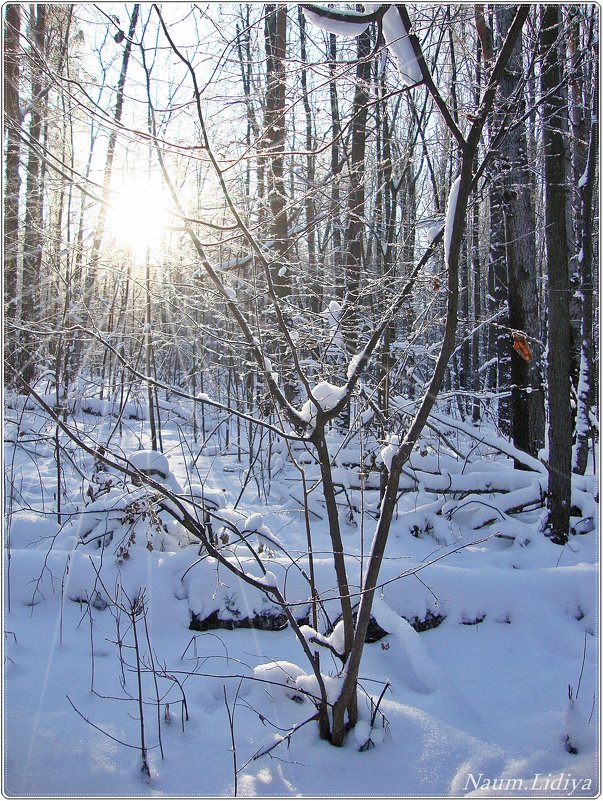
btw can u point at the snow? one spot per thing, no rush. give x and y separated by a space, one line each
333 312
394 33
471 706
362 732
450 212
396 38
280 672
390 449
332 315
326 395
334 642
254 522
224 266
433 231
270 370
268 580
308 683
422 673
232 264
353 364
580 734
340 27
150 462
208 496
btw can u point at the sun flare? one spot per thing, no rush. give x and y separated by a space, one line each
138 216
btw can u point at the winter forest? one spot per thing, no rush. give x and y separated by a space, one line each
300 399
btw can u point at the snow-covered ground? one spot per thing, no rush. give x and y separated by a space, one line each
477 705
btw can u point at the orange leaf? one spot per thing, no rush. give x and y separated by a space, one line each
521 346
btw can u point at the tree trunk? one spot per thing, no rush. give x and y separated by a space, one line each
12 181
388 504
335 211
587 377
527 395
315 301
498 279
559 388
352 265
274 139
33 235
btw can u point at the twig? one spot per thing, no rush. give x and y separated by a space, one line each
581 667
231 717
280 739
98 728
383 691
154 672
136 605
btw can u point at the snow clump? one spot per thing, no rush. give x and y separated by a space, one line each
254 522
283 673
390 449
326 395
334 641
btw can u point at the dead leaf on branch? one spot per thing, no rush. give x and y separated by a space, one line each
521 346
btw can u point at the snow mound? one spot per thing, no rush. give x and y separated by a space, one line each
155 465
421 671
280 677
211 498
151 463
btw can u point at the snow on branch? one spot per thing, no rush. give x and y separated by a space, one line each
492 441
395 33
337 21
398 42
450 212
325 396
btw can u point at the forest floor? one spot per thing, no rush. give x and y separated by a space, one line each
500 698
